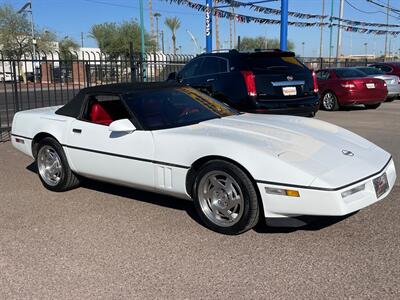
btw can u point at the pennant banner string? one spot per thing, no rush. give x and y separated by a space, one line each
247 19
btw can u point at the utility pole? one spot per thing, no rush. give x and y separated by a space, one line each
302 44
339 34
142 39
366 49
234 27
216 28
157 15
330 33
230 31
151 19
387 27
81 39
322 30
162 41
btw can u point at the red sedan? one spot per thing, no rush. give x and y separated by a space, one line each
347 86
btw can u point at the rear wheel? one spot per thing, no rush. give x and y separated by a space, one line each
330 102
372 106
225 198
53 168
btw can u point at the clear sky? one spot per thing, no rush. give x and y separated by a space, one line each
71 17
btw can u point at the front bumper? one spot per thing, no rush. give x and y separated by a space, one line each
324 202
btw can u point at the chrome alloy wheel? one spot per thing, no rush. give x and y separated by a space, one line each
49 165
221 198
328 101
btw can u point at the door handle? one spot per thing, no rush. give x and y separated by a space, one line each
210 80
76 130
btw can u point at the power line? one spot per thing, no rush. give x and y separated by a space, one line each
136 7
369 12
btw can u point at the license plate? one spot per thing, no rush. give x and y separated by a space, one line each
381 185
370 85
289 91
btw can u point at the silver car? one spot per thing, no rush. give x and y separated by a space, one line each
392 81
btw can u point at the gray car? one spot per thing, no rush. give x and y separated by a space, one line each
392 81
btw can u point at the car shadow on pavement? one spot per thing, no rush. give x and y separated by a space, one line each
312 223
136 195
352 107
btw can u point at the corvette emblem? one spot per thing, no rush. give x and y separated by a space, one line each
290 78
347 153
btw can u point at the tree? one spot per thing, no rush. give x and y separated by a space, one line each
113 38
16 36
260 42
66 46
173 24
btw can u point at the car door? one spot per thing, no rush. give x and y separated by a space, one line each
96 152
210 74
190 73
323 77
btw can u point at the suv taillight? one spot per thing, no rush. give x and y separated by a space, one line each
250 82
314 76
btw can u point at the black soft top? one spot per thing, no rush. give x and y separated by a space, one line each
73 107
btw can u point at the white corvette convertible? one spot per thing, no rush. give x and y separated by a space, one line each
174 140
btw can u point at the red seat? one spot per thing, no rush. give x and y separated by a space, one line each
99 115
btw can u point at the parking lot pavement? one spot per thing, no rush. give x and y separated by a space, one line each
103 241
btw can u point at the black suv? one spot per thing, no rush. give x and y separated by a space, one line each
267 81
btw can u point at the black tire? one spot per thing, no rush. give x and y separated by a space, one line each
390 99
250 209
327 105
372 106
68 180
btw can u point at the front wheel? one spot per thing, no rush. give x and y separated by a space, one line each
330 102
372 106
54 171
225 198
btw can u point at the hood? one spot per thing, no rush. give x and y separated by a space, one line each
315 147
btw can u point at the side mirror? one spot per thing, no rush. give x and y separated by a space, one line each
123 125
172 76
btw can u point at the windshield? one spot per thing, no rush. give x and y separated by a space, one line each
371 71
175 107
349 73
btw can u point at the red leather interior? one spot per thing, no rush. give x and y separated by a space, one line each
99 115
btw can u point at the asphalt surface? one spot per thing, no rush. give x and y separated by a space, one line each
104 241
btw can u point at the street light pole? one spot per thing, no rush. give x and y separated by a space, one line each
302 44
330 33
387 28
339 34
322 30
25 9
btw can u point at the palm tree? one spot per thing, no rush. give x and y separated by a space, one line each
173 24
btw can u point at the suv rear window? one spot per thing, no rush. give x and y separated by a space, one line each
349 73
267 62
